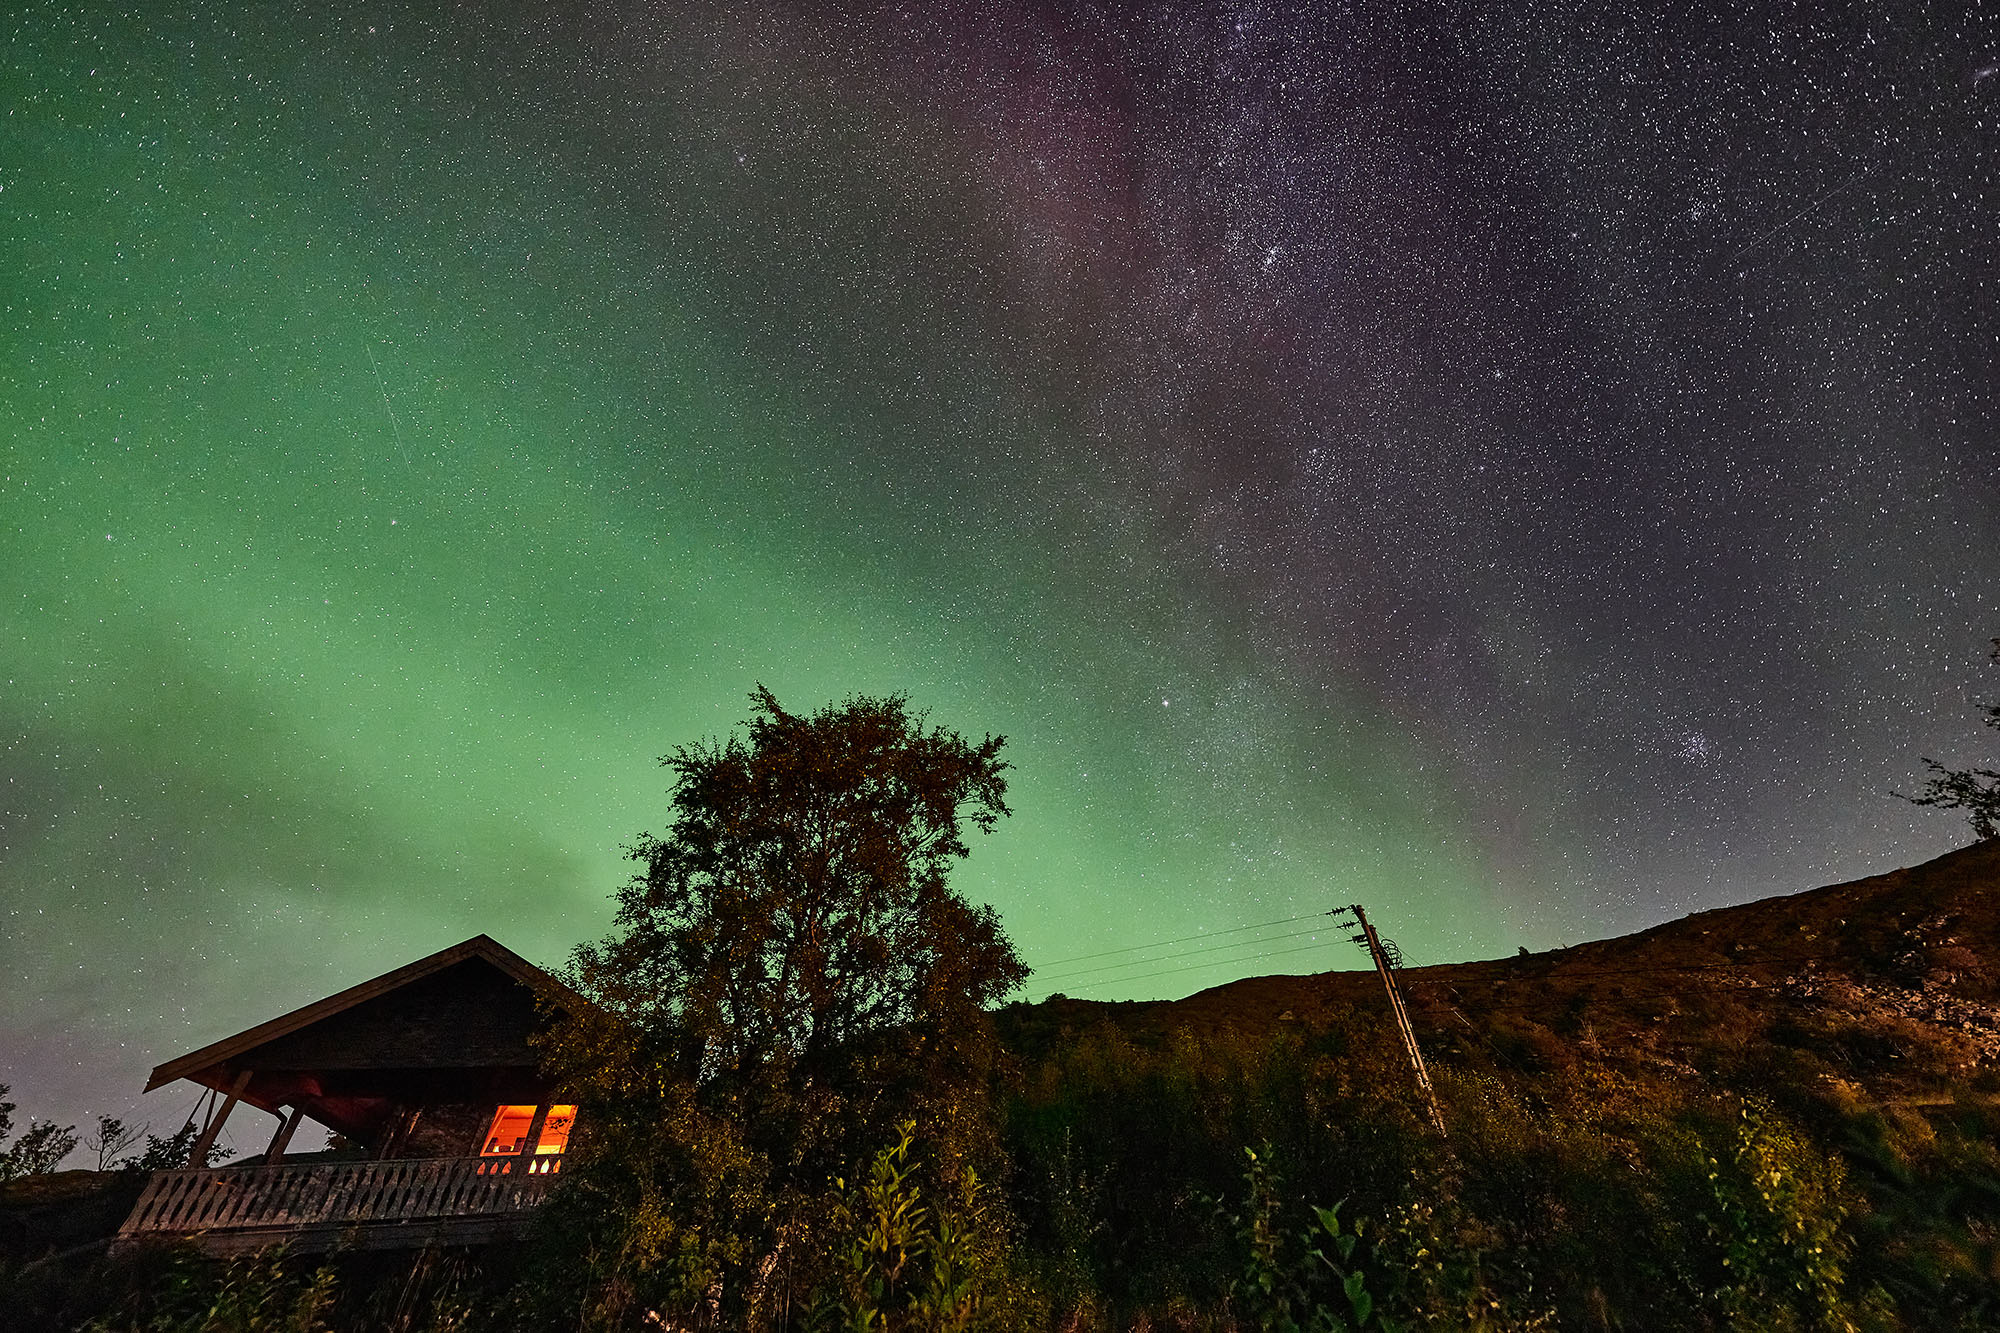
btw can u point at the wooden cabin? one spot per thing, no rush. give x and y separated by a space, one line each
427 1071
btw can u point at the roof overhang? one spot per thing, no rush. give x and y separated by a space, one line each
210 1066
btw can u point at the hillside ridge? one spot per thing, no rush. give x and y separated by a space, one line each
1890 982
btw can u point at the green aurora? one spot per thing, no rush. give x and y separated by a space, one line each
376 513
417 423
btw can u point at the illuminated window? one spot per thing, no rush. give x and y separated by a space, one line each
510 1130
555 1131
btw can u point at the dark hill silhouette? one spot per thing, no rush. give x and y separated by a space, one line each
1889 985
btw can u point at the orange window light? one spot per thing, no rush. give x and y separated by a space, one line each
510 1130
555 1131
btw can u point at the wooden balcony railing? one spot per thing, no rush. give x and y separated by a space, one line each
337 1197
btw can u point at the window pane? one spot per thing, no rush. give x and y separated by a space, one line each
510 1127
555 1130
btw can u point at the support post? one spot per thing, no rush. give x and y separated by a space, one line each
533 1138
282 1140
398 1133
1369 940
198 1155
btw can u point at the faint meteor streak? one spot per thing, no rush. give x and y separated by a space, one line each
1979 76
383 389
1807 211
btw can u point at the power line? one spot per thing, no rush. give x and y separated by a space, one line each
1307 948
1188 953
1556 973
1196 967
1185 939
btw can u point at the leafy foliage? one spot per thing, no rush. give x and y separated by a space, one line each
1976 791
1115 1142
1973 790
39 1150
172 1151
1309 1281
256 1293
1505 1231
799 905
270 1291
790 970
1779 1215
908 1264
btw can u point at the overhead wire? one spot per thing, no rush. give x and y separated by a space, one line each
1186 953
1185 939
1072 976
1308 948
1196 967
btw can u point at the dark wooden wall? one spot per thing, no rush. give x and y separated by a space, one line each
470 1015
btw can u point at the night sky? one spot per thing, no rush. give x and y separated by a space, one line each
1532 472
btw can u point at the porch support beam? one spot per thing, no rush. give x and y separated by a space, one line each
283 1138
198 1155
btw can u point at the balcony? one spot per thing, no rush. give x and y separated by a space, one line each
312 1206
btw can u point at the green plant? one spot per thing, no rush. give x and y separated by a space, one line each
903 1265
40 1150
253 1293
1308 1281
1779 1213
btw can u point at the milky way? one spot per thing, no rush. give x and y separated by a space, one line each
1528 471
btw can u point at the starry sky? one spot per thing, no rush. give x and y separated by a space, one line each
1528 469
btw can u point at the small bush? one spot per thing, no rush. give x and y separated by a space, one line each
905 1264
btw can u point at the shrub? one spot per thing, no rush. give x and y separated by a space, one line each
1308 1280
907 1265
1779 1214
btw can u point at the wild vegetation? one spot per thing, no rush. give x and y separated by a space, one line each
806 1115
1776 1146
790 977
39 1148
1974 789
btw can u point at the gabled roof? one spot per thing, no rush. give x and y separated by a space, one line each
482 947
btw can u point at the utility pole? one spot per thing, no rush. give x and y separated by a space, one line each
1387 960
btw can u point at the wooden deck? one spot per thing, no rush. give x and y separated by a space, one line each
362 1205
